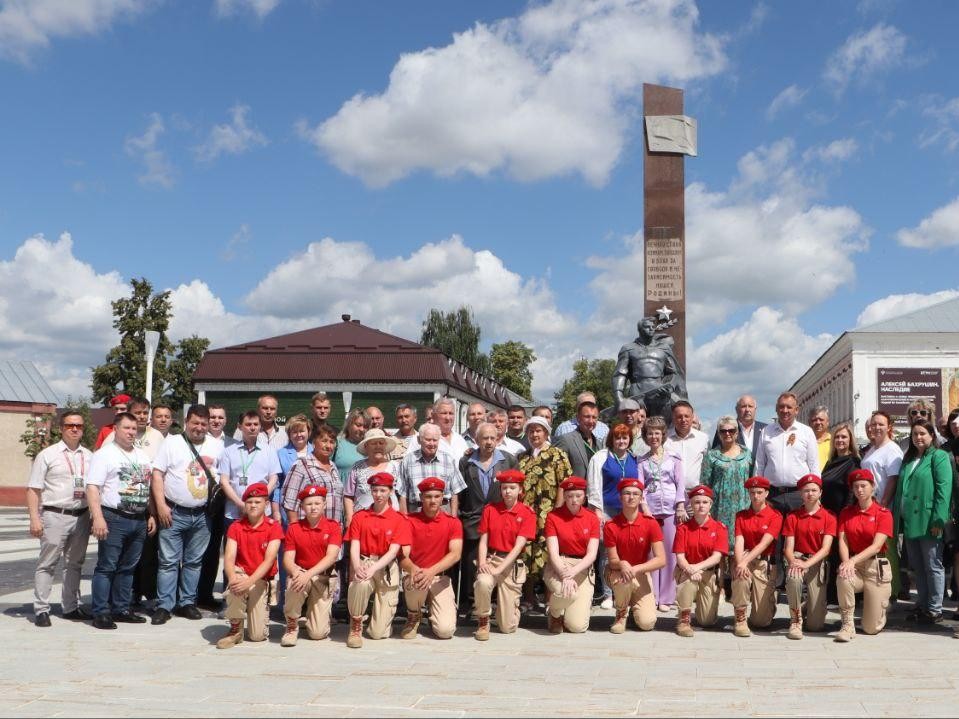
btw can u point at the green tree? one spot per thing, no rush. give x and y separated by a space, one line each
510 363
45 430
125 365
588 376
456 335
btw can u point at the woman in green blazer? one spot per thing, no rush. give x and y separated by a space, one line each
921 510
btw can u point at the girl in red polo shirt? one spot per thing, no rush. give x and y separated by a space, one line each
809 532
754 574
863 530
701 543
630 537
310 553
572 541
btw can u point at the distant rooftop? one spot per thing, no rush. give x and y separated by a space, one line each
22 382
940 317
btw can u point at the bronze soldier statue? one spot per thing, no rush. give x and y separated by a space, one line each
647 371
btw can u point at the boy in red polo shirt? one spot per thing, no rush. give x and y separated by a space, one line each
754 572
809 532
376 535
505 527
630 537
252 544
437 545
700 544
309 556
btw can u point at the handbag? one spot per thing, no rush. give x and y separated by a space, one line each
215 497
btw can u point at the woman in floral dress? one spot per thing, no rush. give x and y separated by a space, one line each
545 467
724 471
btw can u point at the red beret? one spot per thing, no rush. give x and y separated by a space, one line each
119 399
756 483
629 482
701 491
431 484
809 479
381 479
860 475
510 476
311 490
573 483
257 489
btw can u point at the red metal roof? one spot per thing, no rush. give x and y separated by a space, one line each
344 352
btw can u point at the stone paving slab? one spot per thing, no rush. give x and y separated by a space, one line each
175 670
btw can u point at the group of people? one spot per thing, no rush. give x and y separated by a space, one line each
639 516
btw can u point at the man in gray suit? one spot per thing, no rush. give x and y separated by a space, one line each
749 429
581 444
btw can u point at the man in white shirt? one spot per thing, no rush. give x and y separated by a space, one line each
161 418
57 505
118 494
211 557
148 438
688 442
271 434
499 418
788 450
475 416
444 412
217 424
183 471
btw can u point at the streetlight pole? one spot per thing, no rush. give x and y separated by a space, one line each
151 341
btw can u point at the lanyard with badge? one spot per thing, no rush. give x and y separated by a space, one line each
245 467
78 492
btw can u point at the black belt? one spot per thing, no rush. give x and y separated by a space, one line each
69 512
128 515
189 510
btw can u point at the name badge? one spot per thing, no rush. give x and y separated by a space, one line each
78 492
243 481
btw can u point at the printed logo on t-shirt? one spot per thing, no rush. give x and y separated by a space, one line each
134 487
196 481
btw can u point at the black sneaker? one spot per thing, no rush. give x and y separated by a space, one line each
188 611
79 614
930 618
104 621
129 617
42 619
160 616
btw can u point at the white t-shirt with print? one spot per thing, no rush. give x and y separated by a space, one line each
123 477
185 483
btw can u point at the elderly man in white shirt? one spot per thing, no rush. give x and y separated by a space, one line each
788 450
688 442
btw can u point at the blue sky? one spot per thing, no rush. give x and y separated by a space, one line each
278 162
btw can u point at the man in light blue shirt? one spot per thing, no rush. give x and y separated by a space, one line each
571 425
246 463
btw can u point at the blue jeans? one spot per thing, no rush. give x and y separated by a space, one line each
184 541
117 558
925 557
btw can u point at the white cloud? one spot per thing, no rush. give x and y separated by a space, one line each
55 310
762 357
158 170
940 229
551 92
788 98
260 8
895 305
946 130
864 55
28 25
234 138
835 151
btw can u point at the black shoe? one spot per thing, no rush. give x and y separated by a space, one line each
104 621
930 618
188 611
78 615
160 616
211 604
913 615
42 619
129 617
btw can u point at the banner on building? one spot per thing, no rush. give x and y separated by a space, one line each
899 386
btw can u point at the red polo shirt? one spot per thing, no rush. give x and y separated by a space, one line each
752 526
572 531
251 542
505 525
431 537
861 527
633 540
376 532
699 542
311 543
809 529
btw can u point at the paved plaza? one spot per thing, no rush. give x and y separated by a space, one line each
174 670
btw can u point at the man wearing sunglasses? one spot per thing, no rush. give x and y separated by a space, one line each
59 519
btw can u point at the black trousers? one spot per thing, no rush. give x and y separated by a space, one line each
211 562
145 576
467 574
784 500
